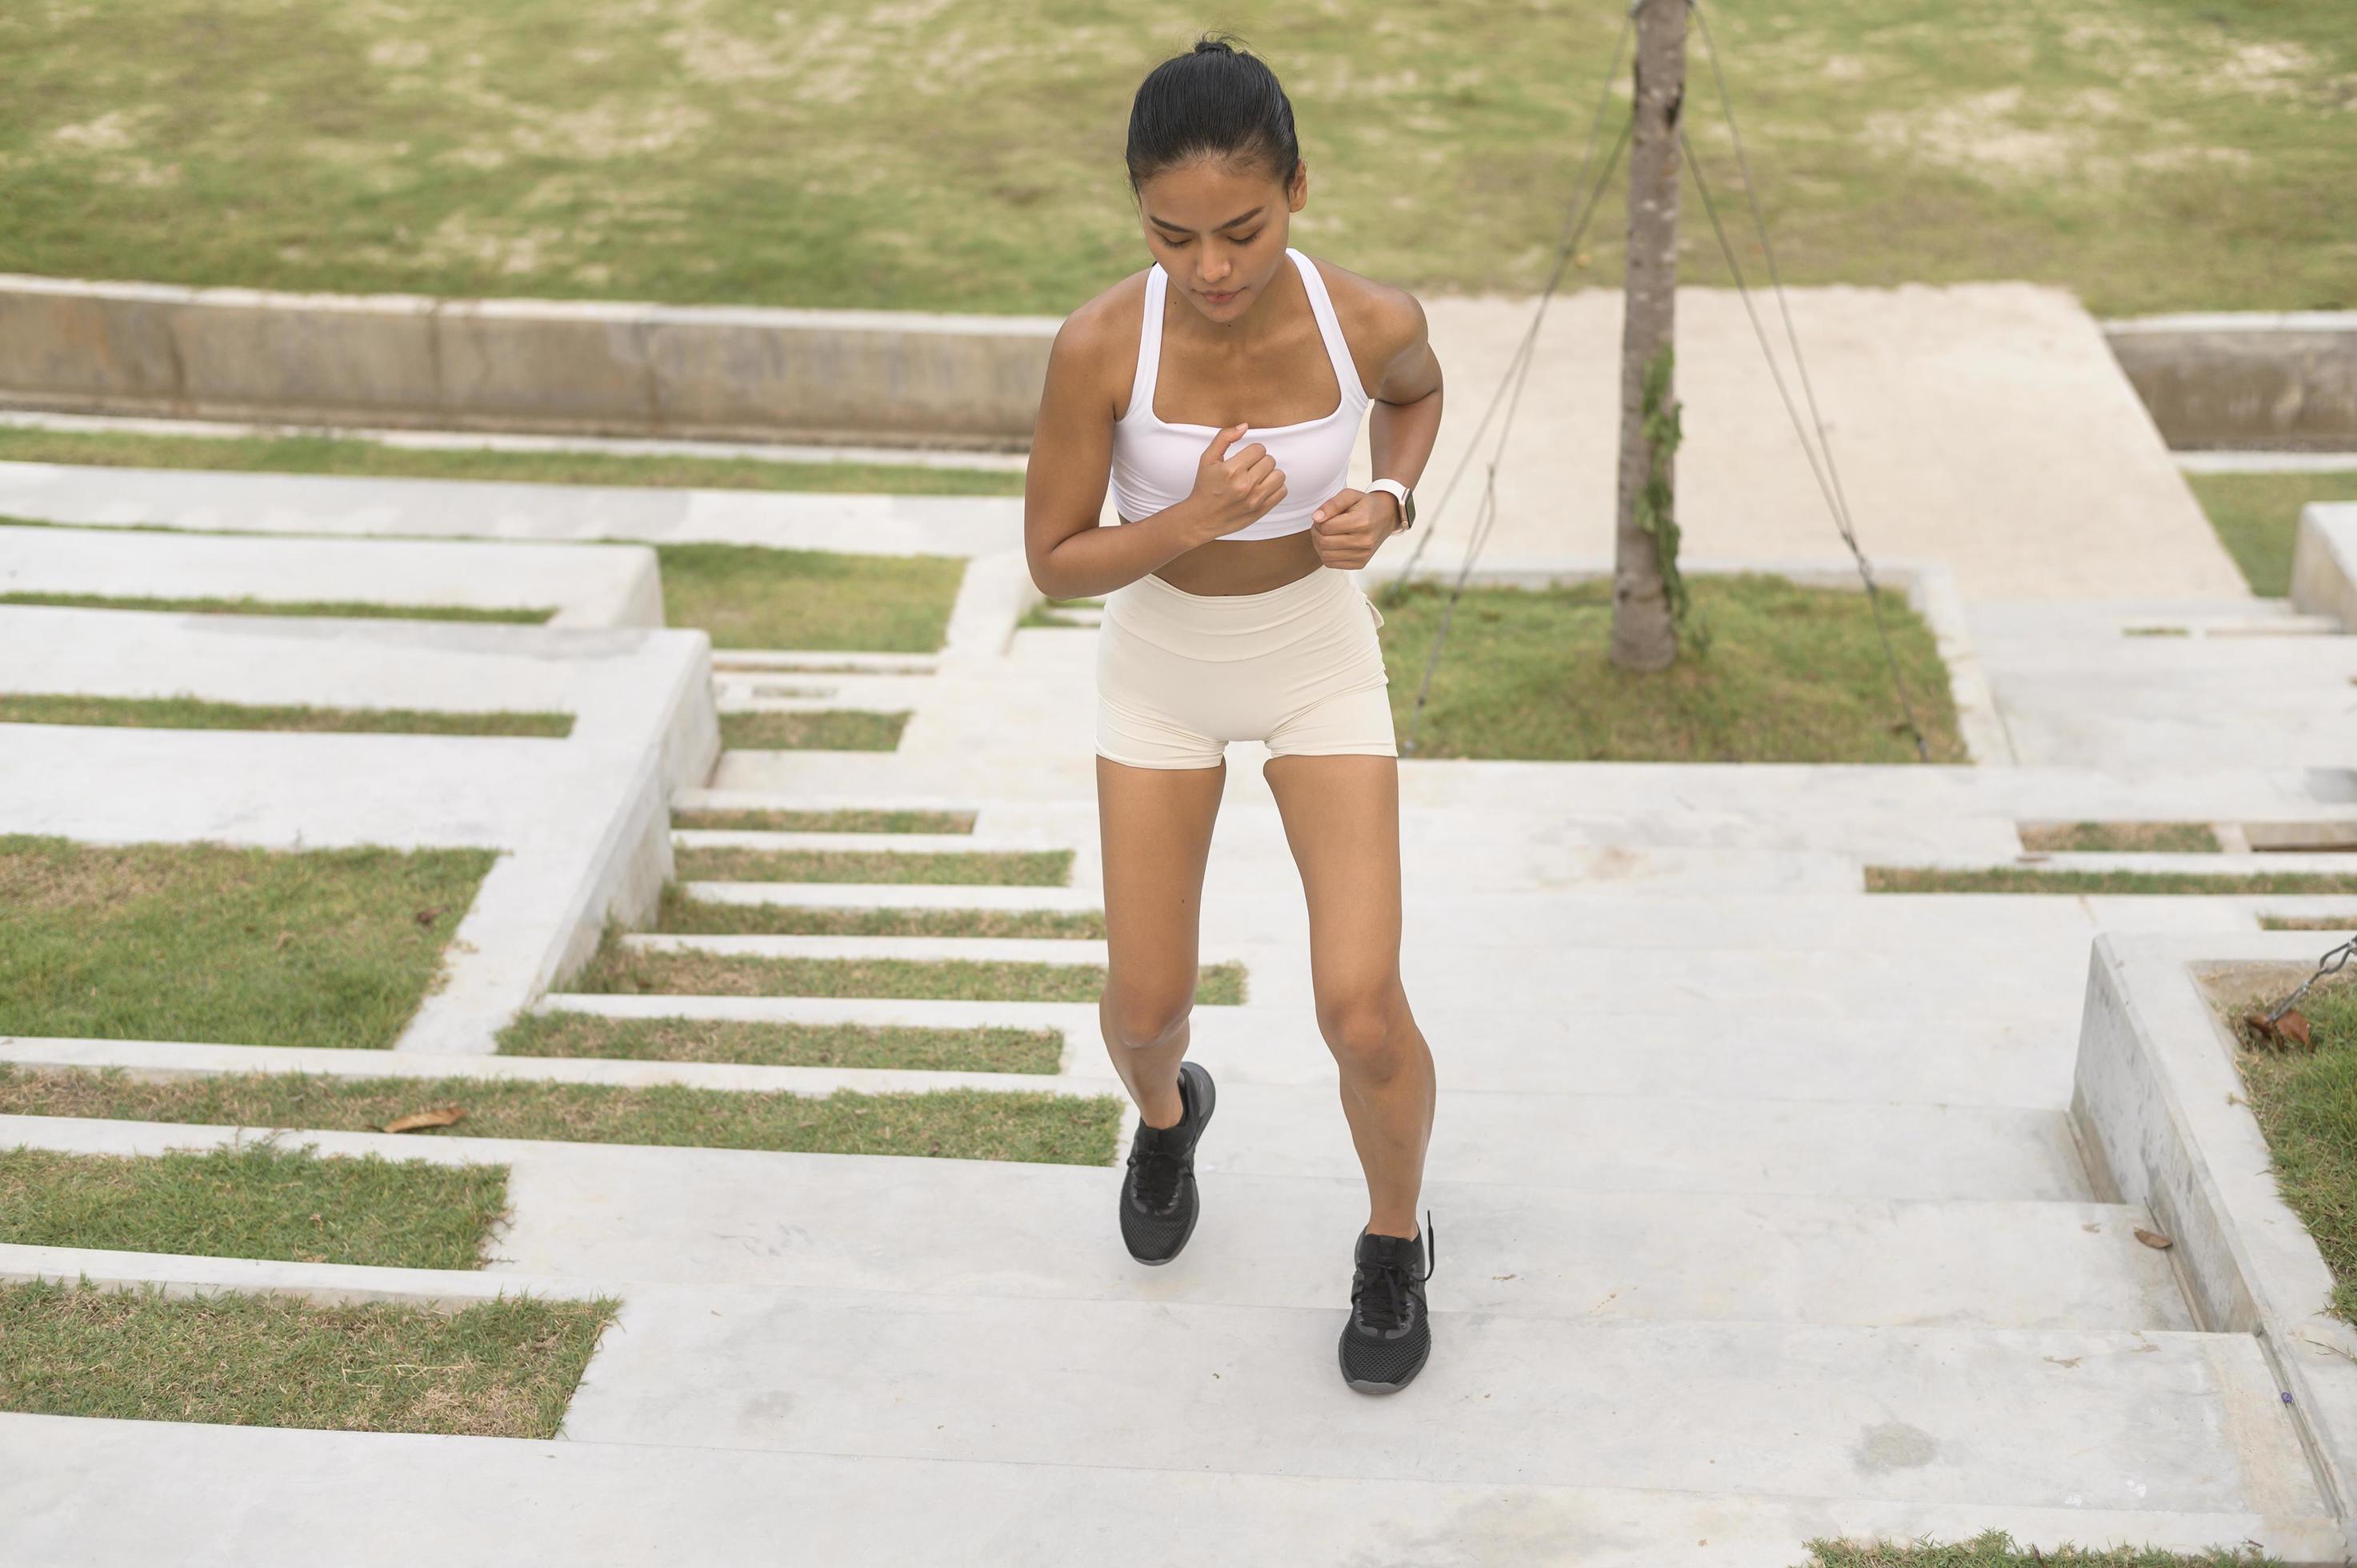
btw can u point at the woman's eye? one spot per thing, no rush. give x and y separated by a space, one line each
1247 239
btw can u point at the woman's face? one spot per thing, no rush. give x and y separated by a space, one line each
1220 229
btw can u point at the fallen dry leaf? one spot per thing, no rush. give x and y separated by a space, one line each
2294 1023
2153 1239
427 916
440 1116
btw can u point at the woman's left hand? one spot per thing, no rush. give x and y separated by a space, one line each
1346 529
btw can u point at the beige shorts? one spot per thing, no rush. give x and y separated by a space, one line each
1297 668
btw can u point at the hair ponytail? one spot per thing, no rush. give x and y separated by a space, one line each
1212 102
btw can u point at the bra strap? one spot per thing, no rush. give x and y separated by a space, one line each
1149 350
1330 326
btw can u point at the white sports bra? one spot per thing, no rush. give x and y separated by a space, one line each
1154 463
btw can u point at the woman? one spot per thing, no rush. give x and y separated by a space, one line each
1221 391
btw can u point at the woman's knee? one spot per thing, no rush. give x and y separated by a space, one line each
1144 1017
1363 1029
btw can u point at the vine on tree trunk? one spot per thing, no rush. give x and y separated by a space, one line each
1663 431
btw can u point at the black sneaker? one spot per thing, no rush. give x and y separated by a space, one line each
1157 1195
1388 1334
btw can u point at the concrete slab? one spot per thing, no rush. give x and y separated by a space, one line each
2324 563
108 1492
2037 1418
461 508
1987 426
585 585
623 685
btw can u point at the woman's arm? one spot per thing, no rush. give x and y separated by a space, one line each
1349 525
1071 556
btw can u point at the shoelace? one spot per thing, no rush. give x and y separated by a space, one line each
1159 1164
1387 1309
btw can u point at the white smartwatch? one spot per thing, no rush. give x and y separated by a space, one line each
1402 494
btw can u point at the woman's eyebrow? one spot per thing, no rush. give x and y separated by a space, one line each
1230 223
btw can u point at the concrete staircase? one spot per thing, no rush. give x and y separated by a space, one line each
1759 1212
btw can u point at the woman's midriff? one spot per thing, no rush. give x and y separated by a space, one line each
1242 566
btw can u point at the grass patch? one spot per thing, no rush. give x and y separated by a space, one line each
638 972
999 868
1996 1550
208 942
193 712
962 1125
2166 154
498 1368
1043 614
372 459
2123 838
783 1045
2257 517
1790 674
849 822
2309 922
683 916
346 609
846 729
2305 1103
254 1201
749 596
2030 879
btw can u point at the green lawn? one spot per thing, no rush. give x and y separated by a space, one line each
640 971
1790 674
848 729
965 1124
844 822
337 455
254 1201
206 942
783 1045
704 916
2119 838
498 1368
1002 867
2150 153
194 712
2307 1106
2257 517
1997 1550
350 609
2036 879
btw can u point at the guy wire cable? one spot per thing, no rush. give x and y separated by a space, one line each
1828 476
1566 244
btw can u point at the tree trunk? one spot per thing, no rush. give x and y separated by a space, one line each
1644 636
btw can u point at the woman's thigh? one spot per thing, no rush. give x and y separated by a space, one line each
1154 828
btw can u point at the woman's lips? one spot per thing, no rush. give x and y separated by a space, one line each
1222 298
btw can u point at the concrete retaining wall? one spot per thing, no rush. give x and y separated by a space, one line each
2324 563
2245 382
580 367
2159 1108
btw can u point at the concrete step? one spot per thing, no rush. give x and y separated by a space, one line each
1992 982
822 661
1560 917
1497 1050
978 841
588 1212
2050 1418
1655 1143
92 1490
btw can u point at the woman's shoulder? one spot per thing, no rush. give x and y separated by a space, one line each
1098 338
1380 321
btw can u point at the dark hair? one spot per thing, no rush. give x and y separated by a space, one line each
1212 102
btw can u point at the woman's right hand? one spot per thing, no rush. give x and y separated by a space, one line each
1231 493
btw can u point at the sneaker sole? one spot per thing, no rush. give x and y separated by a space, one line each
1211 1103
